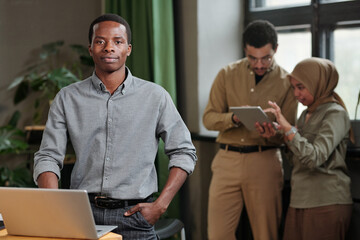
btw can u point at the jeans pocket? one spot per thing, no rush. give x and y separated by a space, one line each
142 221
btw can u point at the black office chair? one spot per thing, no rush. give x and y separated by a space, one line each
167 227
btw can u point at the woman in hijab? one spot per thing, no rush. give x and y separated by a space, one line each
320 202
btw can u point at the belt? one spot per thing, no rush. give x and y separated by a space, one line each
102 201
246 149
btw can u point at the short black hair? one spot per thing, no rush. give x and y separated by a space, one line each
110 17
259 33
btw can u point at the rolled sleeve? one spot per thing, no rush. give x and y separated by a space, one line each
183 161
45 166
50 157
178 145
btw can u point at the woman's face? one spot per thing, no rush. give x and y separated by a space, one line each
301 93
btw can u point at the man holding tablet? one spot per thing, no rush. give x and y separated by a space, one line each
247 170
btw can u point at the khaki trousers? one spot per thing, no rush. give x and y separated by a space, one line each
254 179
320 223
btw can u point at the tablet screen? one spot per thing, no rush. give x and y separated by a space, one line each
250 115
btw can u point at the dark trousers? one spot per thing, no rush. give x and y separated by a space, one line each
320 223
134 227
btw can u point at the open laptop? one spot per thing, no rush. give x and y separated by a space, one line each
49 213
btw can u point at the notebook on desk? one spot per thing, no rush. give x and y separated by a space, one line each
49 213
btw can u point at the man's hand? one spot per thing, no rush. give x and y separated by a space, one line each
153 211
266 130
235 119
150 211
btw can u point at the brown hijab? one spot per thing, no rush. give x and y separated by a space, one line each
320 77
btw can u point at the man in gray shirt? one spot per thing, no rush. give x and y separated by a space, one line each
114 121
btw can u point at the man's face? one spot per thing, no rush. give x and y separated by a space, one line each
260 59
109 48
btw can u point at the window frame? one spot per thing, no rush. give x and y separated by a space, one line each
323 19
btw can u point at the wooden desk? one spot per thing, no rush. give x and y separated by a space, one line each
4 236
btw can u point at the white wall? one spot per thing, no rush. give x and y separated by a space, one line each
219 43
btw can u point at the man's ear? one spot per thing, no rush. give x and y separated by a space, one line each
90 51
129 50
275 49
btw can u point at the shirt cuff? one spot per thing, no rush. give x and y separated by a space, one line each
183 161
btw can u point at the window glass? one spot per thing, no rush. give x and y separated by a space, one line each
277 3
347 62
332 1
293 47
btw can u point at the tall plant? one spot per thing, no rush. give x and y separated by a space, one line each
49 74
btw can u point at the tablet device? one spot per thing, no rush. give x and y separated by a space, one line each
250 115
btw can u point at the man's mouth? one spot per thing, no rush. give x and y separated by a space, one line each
110 59
259 70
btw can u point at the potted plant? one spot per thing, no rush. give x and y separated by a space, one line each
49 74
12 141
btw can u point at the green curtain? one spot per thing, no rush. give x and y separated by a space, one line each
152 58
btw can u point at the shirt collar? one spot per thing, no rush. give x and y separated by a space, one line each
123 88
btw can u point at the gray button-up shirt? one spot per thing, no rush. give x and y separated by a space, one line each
115 137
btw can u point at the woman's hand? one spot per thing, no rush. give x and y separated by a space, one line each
283 124
280 119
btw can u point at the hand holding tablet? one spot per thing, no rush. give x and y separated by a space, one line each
249 115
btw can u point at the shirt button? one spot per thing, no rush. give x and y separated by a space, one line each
252 90
107 159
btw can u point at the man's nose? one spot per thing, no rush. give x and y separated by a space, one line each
259 63
109 47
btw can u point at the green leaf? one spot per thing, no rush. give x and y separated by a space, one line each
16 82
21 92
14 119
12 140
37 84
62 77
